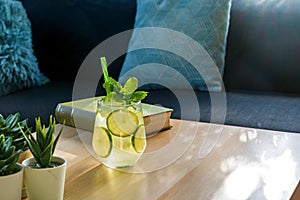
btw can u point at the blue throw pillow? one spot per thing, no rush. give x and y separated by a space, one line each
178 42
18 65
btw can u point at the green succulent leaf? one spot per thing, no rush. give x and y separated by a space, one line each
56 140
11 127
8 156
2 163
2 120
8 151
46 156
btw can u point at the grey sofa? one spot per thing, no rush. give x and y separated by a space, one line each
262 68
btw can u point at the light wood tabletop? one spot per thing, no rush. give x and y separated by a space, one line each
190 161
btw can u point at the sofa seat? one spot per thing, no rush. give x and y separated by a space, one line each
39 101
254 110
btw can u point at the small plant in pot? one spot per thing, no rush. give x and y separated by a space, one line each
44 169
11 172
11 127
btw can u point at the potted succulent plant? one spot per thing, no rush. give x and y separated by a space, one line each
11 172
44 173
11 127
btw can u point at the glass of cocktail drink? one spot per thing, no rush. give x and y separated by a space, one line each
119 137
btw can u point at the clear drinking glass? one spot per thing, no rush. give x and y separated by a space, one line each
119 137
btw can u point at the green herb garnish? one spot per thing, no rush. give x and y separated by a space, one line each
118 93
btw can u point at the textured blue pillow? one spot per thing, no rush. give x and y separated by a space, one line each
18 65
182 24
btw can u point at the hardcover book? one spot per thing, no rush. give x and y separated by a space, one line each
81 114
296 193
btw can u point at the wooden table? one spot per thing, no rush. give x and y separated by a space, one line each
245 163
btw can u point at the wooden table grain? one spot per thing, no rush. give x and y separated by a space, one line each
244 163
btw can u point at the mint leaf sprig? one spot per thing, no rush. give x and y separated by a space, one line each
118 93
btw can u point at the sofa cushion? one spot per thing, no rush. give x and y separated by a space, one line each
263 46
18 64
202 22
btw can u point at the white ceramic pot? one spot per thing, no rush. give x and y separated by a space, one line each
25 154
11 185
45 183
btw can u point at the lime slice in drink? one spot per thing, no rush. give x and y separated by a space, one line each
122 123
138 140
102 142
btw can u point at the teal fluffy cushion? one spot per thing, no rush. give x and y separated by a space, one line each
18 65
186 51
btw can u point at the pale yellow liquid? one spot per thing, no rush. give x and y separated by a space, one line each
123 154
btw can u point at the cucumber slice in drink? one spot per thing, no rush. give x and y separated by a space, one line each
138 140
102 142
122 123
